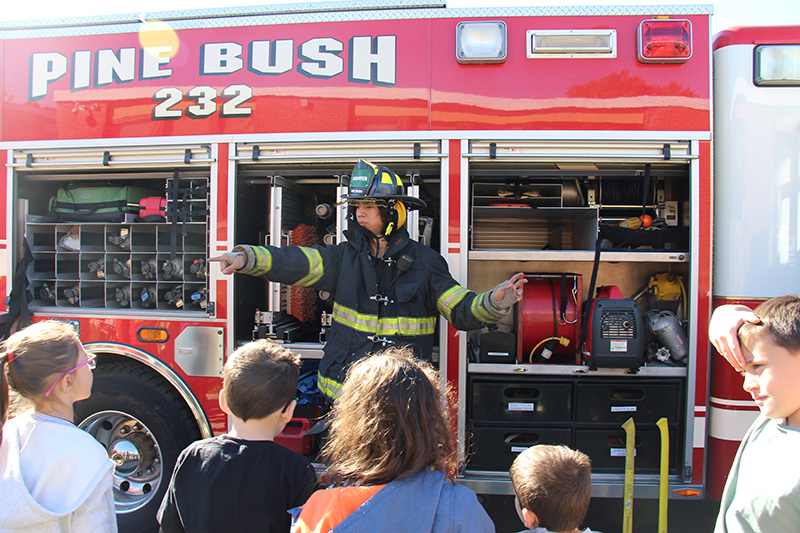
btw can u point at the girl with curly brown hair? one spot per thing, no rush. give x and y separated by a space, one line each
388 451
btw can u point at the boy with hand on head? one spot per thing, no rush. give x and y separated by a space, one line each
553 488
763 488
243 480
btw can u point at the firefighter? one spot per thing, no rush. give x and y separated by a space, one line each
387 289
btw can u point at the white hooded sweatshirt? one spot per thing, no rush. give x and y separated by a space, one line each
53 478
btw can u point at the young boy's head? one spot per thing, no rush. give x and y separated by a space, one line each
553 487
772 351
260 378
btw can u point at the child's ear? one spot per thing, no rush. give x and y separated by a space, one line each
287 415
66 383
223 403
530 519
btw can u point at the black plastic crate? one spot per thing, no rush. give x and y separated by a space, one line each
614 403
606 448
516 401
495 448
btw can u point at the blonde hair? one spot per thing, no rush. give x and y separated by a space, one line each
260 378
390 421
555 483
32 356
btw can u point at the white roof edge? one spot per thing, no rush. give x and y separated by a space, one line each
333 11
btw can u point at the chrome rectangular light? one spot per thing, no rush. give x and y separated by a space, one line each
571 43
481 42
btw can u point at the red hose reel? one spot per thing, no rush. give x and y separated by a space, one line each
550 307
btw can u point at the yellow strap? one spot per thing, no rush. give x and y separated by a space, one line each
663 485
630 439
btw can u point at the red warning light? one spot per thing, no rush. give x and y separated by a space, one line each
664 41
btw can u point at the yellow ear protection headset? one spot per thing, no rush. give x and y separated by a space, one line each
397 217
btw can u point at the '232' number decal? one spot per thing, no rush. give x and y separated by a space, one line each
204 102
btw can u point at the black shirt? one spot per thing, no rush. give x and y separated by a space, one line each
229 484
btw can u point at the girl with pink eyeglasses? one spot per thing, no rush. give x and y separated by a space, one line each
53 476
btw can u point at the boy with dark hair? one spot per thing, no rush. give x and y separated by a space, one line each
763 488
553 488
243 480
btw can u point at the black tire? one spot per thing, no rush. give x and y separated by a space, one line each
143 424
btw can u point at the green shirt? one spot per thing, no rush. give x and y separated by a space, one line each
762 494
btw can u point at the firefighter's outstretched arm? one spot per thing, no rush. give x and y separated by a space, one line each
723 332
230 262
509 292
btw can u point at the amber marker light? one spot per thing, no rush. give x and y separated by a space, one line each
152 334
687 492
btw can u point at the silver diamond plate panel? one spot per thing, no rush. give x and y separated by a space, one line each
347 11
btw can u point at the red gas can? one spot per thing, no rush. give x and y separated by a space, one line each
550 307
294 436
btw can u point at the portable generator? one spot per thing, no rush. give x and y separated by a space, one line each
615 335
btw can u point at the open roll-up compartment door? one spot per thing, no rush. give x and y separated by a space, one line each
553 195
595 152
117 229
117 158
289 193
379 152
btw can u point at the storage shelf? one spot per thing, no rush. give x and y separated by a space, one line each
147 266
579 255
571 370
524 228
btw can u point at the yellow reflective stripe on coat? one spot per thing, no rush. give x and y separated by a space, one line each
263 261
314 267
480 311
354 320
329 387
409 326
449 299
404 325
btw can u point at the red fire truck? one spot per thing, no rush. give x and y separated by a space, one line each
543 140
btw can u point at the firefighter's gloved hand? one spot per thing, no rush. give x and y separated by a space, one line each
230 262
723 332
509 292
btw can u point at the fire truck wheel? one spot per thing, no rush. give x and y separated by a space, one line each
143 424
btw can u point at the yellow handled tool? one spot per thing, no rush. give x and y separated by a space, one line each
663 485
630 439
